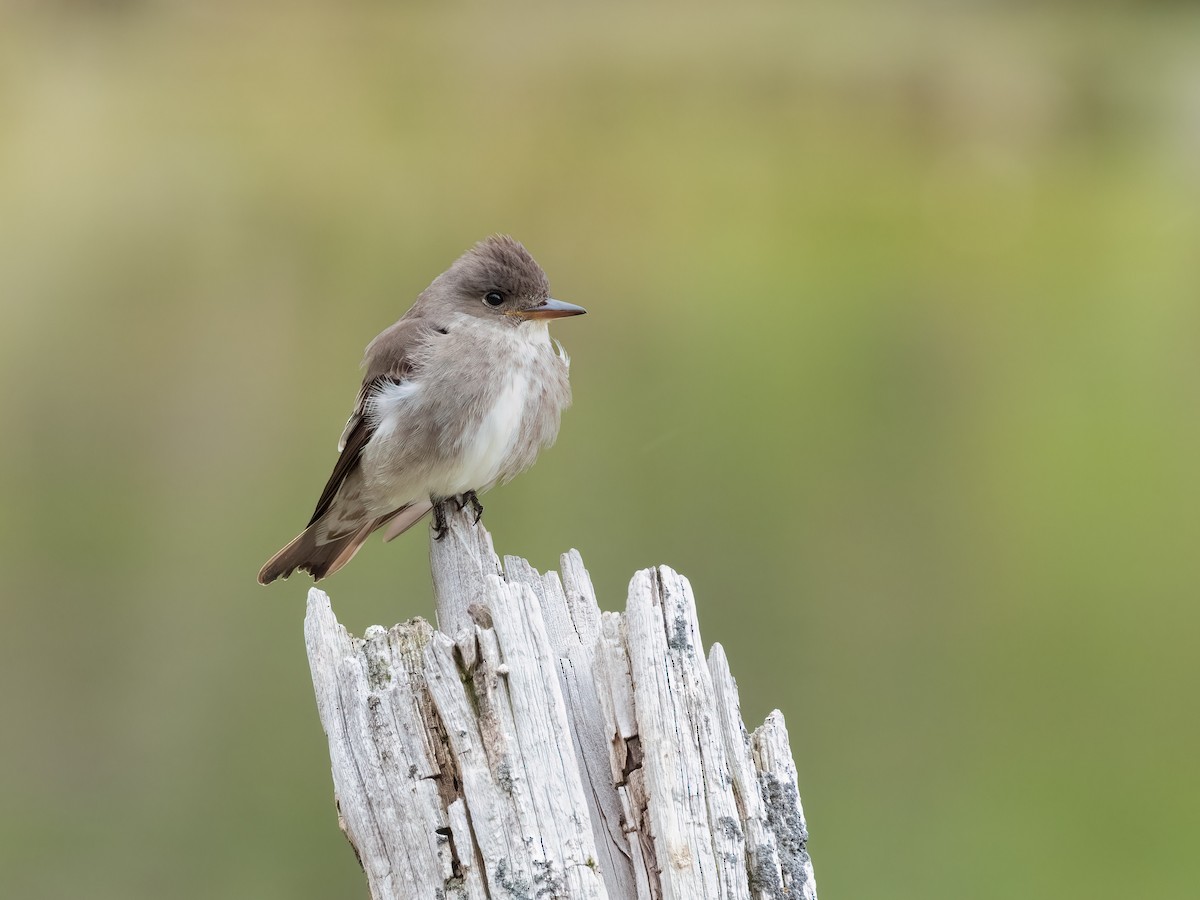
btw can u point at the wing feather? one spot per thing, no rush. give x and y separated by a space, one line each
389 360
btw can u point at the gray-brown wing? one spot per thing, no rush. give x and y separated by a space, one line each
389 359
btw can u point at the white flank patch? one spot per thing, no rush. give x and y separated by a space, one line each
388 404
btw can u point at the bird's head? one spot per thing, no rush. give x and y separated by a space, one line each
498 279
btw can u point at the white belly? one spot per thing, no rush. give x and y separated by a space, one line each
486 448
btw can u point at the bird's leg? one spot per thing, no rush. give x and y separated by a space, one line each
439 518
476 507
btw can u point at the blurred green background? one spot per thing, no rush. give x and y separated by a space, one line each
894 350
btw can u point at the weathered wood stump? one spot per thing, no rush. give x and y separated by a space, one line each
534 747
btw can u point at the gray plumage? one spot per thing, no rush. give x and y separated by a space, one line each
458 396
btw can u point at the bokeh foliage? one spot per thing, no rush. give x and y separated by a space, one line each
894 350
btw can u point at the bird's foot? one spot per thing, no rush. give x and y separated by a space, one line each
439 518
461 502
470 499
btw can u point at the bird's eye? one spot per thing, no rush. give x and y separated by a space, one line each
493 298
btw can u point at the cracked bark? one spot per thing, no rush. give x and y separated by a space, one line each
535 748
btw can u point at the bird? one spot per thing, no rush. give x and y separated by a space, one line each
458 396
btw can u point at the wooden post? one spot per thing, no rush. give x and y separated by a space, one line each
533 747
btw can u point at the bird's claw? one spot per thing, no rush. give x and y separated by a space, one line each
469 498
439 520
440 526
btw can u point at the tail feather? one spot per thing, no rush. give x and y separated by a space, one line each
405 518
314 553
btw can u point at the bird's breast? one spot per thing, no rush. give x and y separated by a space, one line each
486 446
517 399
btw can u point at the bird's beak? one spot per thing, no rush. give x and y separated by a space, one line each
552 309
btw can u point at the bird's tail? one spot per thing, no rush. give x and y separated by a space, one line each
405 518
312 552
315 552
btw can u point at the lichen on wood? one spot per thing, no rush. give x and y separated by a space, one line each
534 748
